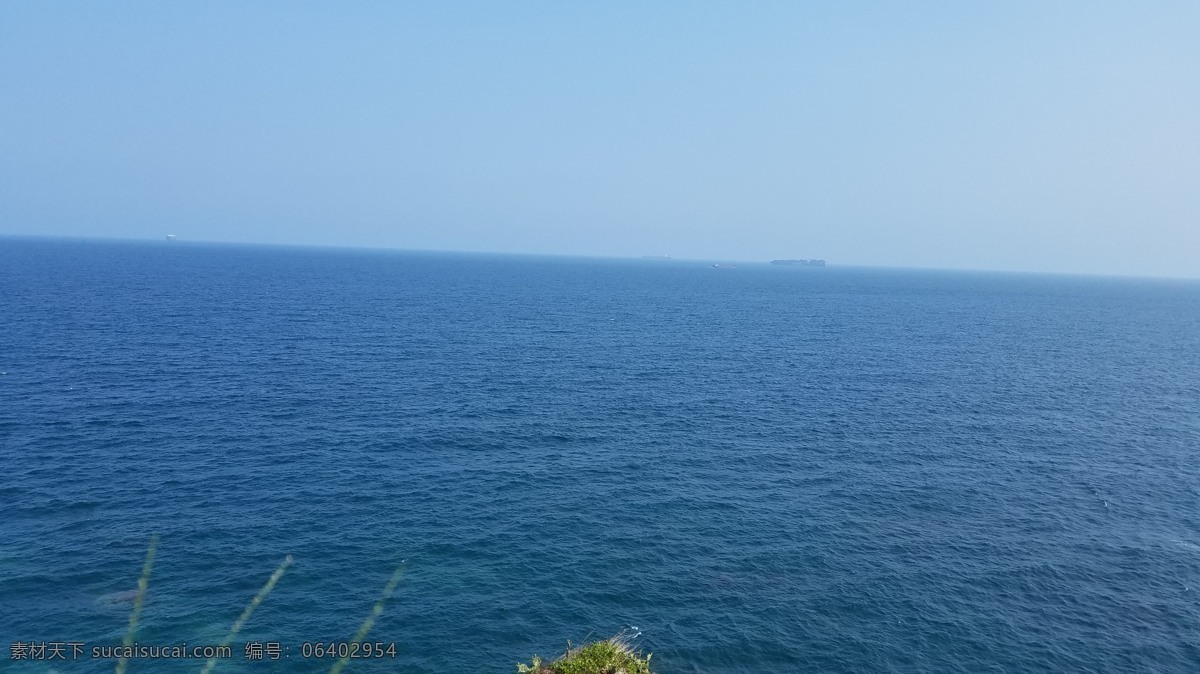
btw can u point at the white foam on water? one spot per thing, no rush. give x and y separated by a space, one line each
1186 545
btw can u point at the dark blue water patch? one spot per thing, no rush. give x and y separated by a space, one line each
764 469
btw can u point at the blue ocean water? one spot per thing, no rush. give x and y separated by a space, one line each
763 469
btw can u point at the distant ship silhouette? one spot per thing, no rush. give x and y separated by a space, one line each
801 263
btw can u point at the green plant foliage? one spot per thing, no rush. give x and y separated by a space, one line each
613 656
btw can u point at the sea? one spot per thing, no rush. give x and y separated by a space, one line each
752 468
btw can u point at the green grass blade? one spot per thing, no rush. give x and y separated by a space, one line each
135 615
370 621
237 624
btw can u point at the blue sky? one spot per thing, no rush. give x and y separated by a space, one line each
1041 136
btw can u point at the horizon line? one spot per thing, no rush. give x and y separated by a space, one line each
632 256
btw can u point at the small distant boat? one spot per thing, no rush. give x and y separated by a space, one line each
723 266
171 237
800 263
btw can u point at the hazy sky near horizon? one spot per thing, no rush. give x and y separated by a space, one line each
1042 136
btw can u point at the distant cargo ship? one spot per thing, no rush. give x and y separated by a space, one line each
800 263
